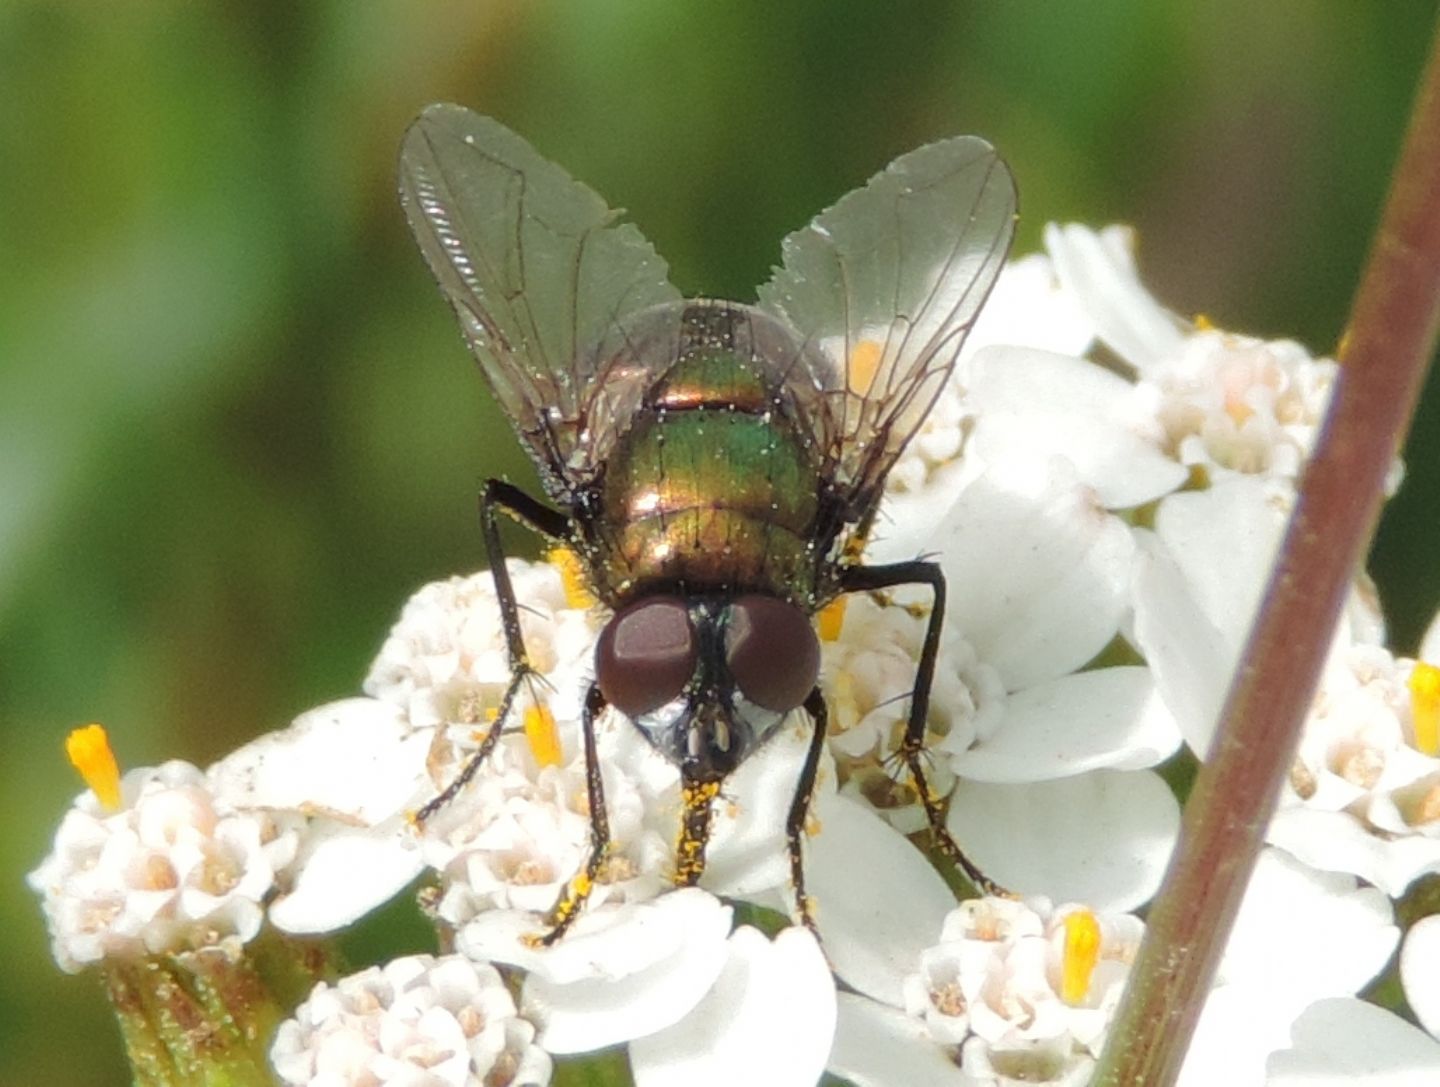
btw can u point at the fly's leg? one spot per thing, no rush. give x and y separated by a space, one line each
912 747
697 798
800 806
500 497
562 915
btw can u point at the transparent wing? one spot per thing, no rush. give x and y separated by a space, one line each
886 284
542 275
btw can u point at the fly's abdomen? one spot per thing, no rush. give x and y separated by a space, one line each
713 494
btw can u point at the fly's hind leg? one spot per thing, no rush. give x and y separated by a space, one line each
912 747
500 497
800 806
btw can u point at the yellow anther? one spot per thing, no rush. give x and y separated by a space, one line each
88 750
543 736
1203 323
863 365
1082 952
830 619
1425 707
572 576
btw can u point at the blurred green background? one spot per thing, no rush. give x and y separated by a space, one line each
237 425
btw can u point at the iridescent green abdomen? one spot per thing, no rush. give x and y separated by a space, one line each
712 487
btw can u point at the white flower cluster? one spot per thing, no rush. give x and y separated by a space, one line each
1104 414
1105 535
1026 991
173 868
444 1022
1363 797
523 832
867 673
445 660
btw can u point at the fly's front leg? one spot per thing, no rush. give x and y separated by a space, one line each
500 497
912 747
562 915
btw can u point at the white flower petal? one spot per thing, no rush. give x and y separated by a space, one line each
1098 269
1335 841
1111 717
1420 971
877 1046
1038 571
629 979
769 1018
1347 1041
1197 590
1224 540
1237 1031
1036 404
344 873
1103 838
355 759
1191 660
878 902
1301 935
1029 308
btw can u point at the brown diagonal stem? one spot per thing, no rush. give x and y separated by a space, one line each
1390 338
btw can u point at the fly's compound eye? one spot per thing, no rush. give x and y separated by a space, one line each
645 656
772 652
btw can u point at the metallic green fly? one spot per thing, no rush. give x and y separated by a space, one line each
715 466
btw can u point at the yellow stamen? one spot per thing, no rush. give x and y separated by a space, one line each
88 750
1425 707
544 737
1082 952
830 619
863 365
572 576
1203 323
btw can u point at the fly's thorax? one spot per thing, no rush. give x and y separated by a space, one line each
707 680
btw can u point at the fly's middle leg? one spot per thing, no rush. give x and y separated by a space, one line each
562 915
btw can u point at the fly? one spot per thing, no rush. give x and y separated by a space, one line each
715 466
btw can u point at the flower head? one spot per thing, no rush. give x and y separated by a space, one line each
1363 796
446 1021
173 868
1011 991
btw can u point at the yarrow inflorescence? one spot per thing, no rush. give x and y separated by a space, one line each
1104 484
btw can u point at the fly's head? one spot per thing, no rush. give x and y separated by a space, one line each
707 680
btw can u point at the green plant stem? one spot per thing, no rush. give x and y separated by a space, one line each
1391 336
